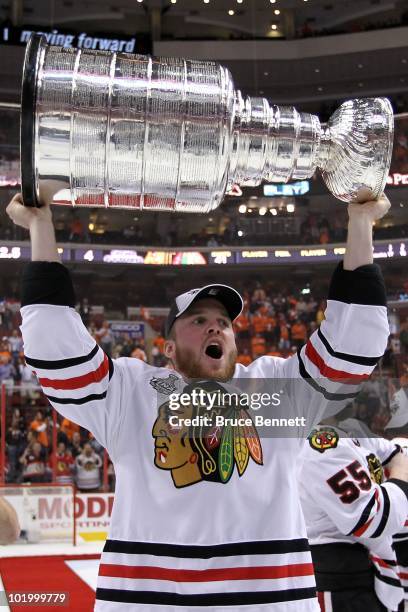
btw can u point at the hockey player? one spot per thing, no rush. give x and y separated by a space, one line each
351 515
207 521
400 540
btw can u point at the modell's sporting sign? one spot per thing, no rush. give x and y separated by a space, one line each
54 513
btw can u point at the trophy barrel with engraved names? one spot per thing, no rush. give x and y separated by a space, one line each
129 131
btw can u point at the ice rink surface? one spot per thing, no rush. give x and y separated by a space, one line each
86 569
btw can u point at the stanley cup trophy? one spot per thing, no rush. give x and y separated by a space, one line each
128 131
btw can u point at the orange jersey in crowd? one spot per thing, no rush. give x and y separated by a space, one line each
41 428
258 346
270 321
263 310
244 359
299 331
68 428
241 323
274 354
259 323
284 332
5 356
159 342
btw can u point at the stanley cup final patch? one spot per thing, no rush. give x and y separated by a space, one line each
165 386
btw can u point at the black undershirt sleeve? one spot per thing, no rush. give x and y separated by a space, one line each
364 285
47 282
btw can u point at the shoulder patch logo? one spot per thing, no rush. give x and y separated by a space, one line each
166 386
375 467
323 439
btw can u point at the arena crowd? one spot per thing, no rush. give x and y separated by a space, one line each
272 323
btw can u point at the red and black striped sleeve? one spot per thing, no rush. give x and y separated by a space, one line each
344 350
74 372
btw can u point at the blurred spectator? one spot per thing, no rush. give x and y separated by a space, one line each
159 360
28 381
111 476
88 465
129 233
403 336
19 419
241 326
96 446
212 241
284 342
77 233
299 333
7 374
6 316
138 353
301 309
84 311
76 446
69 429
258 345
273 351
258 296
159 341
5 355
259 322
15 443
395 344
15 342
271 333
244 357
64 465
33 463
127 347
39 425
104 337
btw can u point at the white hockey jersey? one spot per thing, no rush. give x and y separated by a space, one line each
345 499
400 540
211 525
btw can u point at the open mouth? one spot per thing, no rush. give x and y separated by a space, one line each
214 350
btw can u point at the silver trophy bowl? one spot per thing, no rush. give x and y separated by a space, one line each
130 131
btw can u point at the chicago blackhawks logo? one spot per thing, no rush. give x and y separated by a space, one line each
376 468
324 438
190 443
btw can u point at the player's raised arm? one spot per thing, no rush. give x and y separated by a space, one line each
362 216
342 353
76 375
